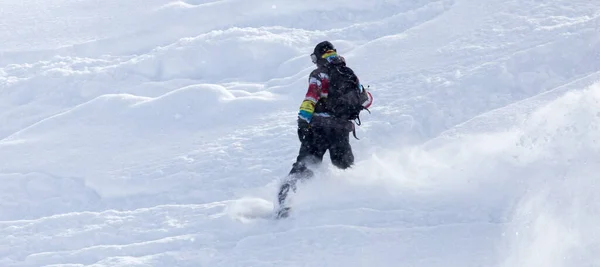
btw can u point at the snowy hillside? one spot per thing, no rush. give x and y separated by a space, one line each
136 133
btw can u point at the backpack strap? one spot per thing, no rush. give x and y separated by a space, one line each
354 129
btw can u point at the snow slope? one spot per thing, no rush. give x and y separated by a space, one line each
139 133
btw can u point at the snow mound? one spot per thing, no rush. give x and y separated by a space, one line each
230 55
158 135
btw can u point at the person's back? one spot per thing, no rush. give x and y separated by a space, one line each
324 119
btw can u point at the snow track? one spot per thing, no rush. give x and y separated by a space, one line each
149 133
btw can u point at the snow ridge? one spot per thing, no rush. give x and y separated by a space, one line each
155 133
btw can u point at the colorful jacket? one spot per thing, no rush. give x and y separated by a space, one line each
318 87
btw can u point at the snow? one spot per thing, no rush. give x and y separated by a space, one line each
156 133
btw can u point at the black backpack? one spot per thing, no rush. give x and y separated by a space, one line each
346 96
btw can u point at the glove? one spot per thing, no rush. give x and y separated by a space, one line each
304 131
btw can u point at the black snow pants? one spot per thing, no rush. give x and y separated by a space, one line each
315 142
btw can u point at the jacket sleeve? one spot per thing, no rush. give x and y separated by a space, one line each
310 100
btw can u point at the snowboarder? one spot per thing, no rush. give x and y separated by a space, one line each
334 100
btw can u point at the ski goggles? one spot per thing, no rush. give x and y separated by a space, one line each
329 55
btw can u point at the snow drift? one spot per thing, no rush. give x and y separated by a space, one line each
155 133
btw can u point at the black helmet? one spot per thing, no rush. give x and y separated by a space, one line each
320 49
